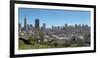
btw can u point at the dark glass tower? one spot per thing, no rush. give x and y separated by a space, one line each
25 24
37 24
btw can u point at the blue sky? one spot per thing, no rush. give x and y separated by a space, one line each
53 16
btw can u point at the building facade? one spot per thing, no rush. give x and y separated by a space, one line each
25 24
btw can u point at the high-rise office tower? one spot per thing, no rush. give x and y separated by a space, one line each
44 27
37 24
37 31
19 27
66 25
52 26
25 23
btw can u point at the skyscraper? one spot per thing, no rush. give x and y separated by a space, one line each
37 24
66 25
37 31
25 23
52 26
19 27
43 27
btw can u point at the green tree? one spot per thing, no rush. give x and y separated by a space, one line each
32 40
41 34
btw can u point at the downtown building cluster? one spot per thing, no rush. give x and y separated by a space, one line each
61 34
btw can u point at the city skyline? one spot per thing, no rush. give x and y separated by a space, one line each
54 17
